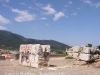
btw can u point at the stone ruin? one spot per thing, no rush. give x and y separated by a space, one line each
34 55
84 53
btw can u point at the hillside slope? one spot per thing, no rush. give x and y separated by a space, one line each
9 40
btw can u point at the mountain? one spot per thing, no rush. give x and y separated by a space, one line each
9 40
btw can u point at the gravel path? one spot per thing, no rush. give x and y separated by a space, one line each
59 66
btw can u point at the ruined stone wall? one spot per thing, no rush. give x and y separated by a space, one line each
34 55
83 53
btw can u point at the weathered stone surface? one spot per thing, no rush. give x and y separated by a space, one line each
33 54
45 48
87 50
84 53
76 48
75 55
46 53
85 57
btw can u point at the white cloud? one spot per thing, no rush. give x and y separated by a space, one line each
70 2
78 8
97 5
43 18
4 20
49 10
74 14
6 6
66 16
58 15
52 11
46 25
30 7
2 28
33 0
38 4
6 1
23 15
88 2
22 3
66 5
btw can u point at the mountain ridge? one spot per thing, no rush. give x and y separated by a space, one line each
9 40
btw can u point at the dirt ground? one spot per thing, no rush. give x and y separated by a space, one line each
58 66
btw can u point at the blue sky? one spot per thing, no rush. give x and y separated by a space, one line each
73 22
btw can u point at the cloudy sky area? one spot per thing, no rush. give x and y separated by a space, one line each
73 22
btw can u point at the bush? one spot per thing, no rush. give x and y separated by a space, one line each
60 52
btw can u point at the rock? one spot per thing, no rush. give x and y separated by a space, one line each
86 50
75 55
76 48
85 57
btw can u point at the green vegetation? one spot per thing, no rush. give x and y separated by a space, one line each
12 41
89 45
60 52
69 57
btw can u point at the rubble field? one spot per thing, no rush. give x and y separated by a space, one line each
58 66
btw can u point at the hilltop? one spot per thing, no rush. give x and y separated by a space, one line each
9 40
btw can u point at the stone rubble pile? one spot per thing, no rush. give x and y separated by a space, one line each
34 55
84 53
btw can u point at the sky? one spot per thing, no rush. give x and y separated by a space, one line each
73 22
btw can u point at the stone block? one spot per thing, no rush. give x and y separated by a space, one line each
76 48
85 57
30 54
87 50
75 55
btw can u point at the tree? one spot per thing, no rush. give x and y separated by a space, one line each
89 45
